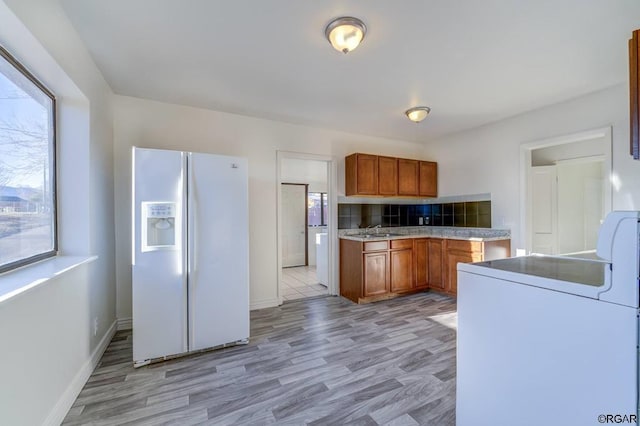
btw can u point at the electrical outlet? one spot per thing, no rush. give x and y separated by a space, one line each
95 326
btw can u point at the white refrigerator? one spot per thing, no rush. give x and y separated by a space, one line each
190 263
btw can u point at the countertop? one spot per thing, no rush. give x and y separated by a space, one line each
561 268
444 232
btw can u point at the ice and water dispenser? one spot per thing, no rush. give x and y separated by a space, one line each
158 226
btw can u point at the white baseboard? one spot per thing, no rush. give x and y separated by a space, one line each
59 412
269 303
125 323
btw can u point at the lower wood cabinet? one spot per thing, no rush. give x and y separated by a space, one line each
375 270
421 262
453 258
436 263
464 251
376 273
401 265
364 270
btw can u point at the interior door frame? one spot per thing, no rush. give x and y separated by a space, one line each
306 218
525 184
332 217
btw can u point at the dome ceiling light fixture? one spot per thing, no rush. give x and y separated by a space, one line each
345 33
417 114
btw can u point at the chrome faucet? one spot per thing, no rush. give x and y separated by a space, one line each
376 227
368 228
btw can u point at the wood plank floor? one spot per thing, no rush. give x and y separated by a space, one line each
323 361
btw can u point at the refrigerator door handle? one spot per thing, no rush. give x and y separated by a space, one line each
192 264
185 248
193 220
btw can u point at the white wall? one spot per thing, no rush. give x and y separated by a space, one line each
47 333
487 159
159 125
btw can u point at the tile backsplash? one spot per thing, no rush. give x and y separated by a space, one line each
471 214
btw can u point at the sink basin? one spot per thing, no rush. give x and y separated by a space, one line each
379 235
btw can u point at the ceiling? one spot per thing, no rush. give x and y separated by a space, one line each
473 62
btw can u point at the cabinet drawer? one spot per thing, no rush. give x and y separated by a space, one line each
401 244
376 245
463 245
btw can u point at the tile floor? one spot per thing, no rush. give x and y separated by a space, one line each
300 282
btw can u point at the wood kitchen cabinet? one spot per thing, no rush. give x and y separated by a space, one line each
387 176
436 263
401 265
634 94
364 270
428 259
376 270
421 262
361 174
408 171
428 179
376 273
373 175
464 251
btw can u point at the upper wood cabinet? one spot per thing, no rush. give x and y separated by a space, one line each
368 175
634 87
387 176
428 184
408 177
361 174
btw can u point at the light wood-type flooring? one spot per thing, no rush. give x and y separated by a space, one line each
300 282
320 361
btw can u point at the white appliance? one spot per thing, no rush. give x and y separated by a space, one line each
190 264
322 254
551 340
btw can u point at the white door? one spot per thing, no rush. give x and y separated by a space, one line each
580 204
593 210
294 225
159 288
218 250
543 209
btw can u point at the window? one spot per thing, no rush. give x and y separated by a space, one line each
318 211
27 167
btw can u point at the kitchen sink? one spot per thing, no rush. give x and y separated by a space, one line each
379 235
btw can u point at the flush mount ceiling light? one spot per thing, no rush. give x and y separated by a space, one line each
417 114
346 33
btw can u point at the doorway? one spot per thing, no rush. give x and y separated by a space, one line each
294 225
305 226
567 192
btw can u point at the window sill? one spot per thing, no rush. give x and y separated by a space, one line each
21 280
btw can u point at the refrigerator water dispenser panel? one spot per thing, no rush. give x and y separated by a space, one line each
158 226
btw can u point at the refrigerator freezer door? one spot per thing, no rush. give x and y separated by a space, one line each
158 271
219 250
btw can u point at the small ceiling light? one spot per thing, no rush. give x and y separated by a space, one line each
346 33
417 114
